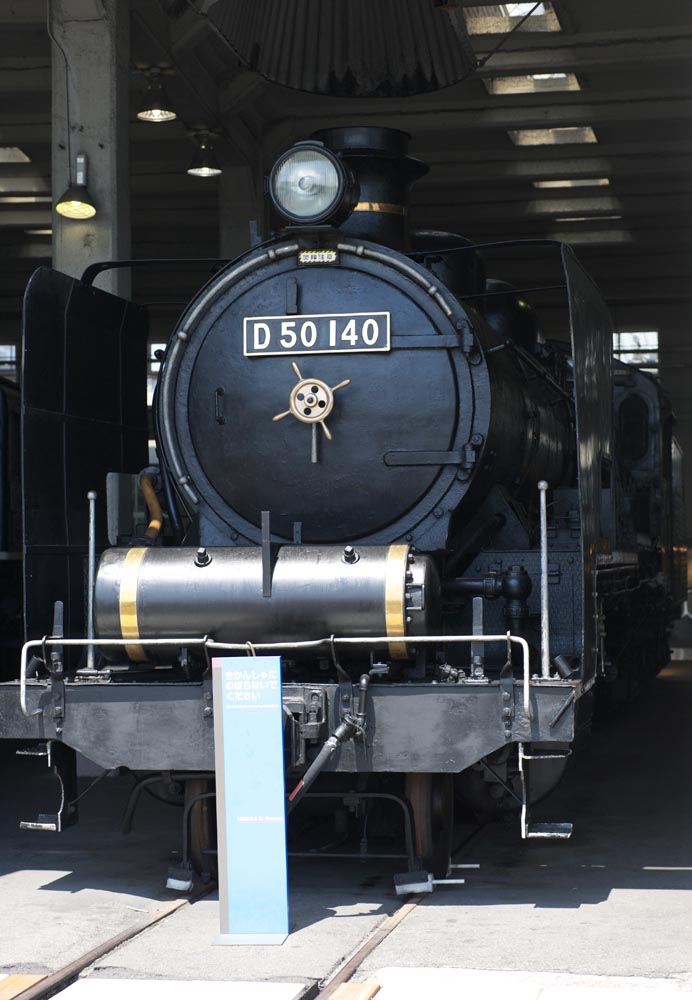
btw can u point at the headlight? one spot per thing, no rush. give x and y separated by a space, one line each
309 184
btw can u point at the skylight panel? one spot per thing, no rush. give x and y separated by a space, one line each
574 182
590 236
498 19
8 361
637 347
13 154
25 199
587 218
533 83
552 136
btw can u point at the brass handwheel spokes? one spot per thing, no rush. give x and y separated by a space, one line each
311 400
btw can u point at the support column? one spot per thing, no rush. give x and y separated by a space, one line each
90 115
241 210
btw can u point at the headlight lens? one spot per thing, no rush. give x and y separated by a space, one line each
307 184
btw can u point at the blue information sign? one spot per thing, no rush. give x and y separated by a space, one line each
250 805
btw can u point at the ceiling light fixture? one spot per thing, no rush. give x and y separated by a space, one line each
155 106
204 162
76 202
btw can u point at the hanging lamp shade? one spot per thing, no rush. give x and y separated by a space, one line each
349 48
76 201
204 162
155 106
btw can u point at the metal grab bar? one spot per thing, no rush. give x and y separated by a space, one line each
91 497
244 647
50 641
545 611
381 640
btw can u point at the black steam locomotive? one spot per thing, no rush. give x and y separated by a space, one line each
369 461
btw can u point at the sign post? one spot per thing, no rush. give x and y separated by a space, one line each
250 803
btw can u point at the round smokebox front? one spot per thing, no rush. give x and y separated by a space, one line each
311 392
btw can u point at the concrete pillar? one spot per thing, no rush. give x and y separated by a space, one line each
95 38
241 210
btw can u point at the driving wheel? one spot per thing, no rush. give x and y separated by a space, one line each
432 800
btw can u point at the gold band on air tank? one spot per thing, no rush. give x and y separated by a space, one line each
394 603
129 624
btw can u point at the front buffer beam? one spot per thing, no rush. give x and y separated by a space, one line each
157 726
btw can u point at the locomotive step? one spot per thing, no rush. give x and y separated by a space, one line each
549 831
547 756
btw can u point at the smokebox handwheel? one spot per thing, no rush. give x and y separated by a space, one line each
311 400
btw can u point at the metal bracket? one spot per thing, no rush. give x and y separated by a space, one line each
266 554
468 341
62 761
55 664
313 722
477 648
506 682
208 698
507 696
308 718
57 691
469 455
537 831
345 689
569 700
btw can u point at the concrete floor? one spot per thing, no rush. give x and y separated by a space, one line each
615 901
71 891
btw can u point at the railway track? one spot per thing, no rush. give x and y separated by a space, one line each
47 986
32 987
336 985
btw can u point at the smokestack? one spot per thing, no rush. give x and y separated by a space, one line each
379 159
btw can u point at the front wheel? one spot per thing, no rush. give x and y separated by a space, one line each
202 827
432 801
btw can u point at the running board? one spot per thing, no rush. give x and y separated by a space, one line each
537 831
548 831
61 760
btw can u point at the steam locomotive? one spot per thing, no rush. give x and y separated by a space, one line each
370 461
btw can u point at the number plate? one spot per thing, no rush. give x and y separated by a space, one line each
326 333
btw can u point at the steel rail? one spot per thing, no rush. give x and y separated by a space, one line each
57 981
